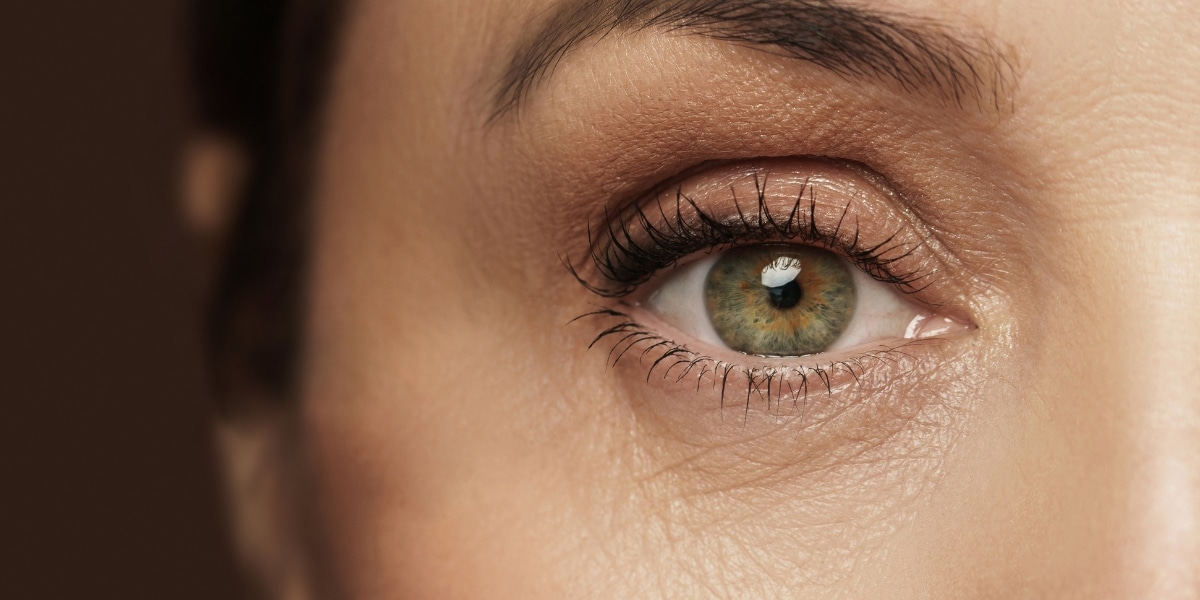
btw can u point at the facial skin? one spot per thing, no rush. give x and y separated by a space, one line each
456 438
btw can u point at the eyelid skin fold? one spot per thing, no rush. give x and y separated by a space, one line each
800 200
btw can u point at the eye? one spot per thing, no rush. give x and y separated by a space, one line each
782 300
774 277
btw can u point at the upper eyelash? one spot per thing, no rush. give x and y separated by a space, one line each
625 261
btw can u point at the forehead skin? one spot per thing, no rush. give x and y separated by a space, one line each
465 444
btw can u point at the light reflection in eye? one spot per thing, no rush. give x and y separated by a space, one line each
781 272
782 300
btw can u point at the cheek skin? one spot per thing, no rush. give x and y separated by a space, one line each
834 479
463 464
458 447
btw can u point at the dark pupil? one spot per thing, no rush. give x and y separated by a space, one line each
786 295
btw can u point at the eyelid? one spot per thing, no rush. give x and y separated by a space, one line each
803 200
636 340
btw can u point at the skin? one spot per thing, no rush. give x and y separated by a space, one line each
453 438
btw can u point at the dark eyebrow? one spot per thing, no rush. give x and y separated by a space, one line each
919 55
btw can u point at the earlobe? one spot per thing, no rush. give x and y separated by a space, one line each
214 169
263 481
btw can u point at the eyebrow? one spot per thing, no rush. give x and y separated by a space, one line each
919 55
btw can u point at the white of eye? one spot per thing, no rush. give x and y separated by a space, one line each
880 313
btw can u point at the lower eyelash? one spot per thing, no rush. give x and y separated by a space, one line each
780 382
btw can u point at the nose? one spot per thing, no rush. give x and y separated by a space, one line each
1155 403
1113 459
1081 478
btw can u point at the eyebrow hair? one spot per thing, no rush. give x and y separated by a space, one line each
918 54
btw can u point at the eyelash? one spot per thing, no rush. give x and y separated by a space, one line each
630 251
627 263
773 378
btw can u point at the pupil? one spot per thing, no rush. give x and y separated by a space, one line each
785 296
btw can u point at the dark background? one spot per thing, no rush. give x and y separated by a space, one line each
109 483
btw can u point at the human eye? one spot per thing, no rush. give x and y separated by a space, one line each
775 278
783 300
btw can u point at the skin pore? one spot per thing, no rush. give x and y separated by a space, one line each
455 437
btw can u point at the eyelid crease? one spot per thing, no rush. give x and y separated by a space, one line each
658 232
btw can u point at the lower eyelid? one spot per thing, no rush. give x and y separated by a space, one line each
655 326
720 379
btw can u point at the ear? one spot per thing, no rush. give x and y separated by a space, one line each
269 502
266 477
215 167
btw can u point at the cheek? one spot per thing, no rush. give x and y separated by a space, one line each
458 443
465 442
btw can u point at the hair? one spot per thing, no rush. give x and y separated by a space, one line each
260 70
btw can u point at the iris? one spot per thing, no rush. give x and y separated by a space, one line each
779 299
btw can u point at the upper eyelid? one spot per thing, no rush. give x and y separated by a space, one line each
616 246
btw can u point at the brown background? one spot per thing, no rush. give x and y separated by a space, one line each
108 481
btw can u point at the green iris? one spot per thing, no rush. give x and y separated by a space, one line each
779 300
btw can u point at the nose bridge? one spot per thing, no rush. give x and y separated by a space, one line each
1139 287
1145 175
1103 486
1160 343
1149 263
